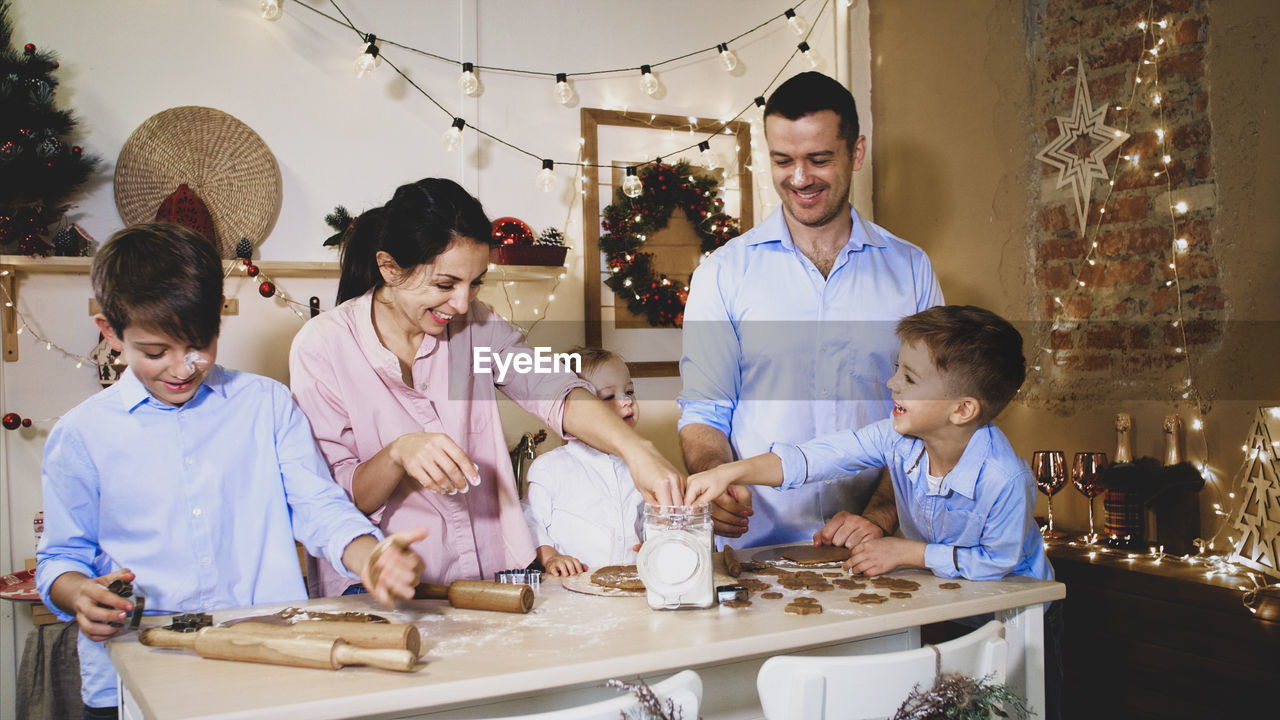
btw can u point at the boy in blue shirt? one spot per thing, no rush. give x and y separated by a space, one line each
196 478
964 497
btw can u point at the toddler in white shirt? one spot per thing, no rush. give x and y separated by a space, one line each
582 507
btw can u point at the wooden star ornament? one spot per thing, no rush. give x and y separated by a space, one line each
1084 141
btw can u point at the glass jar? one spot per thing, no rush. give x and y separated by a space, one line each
675 560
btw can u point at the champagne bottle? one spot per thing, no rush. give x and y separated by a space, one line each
1173 440
1124 441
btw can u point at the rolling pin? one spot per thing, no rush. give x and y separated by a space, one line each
480 595
394 636
294 651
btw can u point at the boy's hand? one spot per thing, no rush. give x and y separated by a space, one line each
729 511
708 485
881 555
564 566
95 606
435 461
847 530
393 570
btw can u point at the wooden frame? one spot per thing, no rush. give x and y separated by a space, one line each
592 120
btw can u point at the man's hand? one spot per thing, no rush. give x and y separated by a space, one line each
881 555
95 606
564 565
393 570
847 530
729 511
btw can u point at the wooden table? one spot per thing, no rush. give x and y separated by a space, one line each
486 664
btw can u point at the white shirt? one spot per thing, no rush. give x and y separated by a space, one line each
583 503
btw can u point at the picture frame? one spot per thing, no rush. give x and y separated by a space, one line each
613 140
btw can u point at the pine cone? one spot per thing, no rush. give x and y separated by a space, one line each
244 249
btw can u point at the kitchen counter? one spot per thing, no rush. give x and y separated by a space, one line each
565 648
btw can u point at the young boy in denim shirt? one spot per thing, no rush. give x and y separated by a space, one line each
192 478
964 497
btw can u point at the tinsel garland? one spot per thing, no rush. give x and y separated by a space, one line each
628 222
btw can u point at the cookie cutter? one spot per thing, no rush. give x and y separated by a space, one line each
731 593
532 578
127 590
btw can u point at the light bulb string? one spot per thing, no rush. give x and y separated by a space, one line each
579 163
25 325
346 21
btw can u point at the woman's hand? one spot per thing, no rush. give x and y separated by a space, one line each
655 477
435 461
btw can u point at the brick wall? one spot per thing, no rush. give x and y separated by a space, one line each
1120 334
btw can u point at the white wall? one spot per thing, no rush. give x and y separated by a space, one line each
340 140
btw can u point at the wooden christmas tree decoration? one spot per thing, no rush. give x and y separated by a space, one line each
1257 517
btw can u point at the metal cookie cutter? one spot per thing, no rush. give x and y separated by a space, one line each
126 590
190 622
729 593
532 578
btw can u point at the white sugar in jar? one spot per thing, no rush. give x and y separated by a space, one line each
675 560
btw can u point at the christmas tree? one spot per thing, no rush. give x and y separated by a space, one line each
38 169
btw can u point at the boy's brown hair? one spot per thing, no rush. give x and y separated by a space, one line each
163 277
979 352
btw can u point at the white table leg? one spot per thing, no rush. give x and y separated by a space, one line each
1024 632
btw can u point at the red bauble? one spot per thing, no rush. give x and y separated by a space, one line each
251 271
511 231
28 49
26 422
76 150
267 289
12 421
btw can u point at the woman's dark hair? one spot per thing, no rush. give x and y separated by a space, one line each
414 227
162 277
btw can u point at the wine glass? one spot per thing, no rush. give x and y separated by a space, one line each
1086 472
1050 470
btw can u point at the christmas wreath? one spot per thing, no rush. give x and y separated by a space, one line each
628 222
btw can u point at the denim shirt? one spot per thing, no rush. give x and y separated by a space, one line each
976 525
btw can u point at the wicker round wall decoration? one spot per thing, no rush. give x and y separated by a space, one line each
220 158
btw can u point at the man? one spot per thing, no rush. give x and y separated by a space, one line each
789 328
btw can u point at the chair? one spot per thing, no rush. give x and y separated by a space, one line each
684 689
795 687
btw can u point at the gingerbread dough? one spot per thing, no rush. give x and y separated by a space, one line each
623 577
816 554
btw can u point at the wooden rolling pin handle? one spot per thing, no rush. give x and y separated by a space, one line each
159 637
393 636
384 658
480 595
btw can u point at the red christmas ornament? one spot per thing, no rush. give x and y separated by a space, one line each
26 422
246 262
512 231
28 49
267 289
76 150
251 271
12 421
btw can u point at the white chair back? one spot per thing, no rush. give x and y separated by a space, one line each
684 689
862 687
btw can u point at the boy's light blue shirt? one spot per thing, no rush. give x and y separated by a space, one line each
202 502
774 351
977 525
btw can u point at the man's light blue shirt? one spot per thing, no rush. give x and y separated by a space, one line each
773 351
977 524
202 502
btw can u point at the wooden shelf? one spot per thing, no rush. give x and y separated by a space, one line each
81 265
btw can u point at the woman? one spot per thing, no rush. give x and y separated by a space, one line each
409 430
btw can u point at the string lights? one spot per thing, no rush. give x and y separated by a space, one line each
371 57
270 9
1146 88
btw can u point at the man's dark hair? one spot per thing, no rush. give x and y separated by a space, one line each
163 277
978 351
811 92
